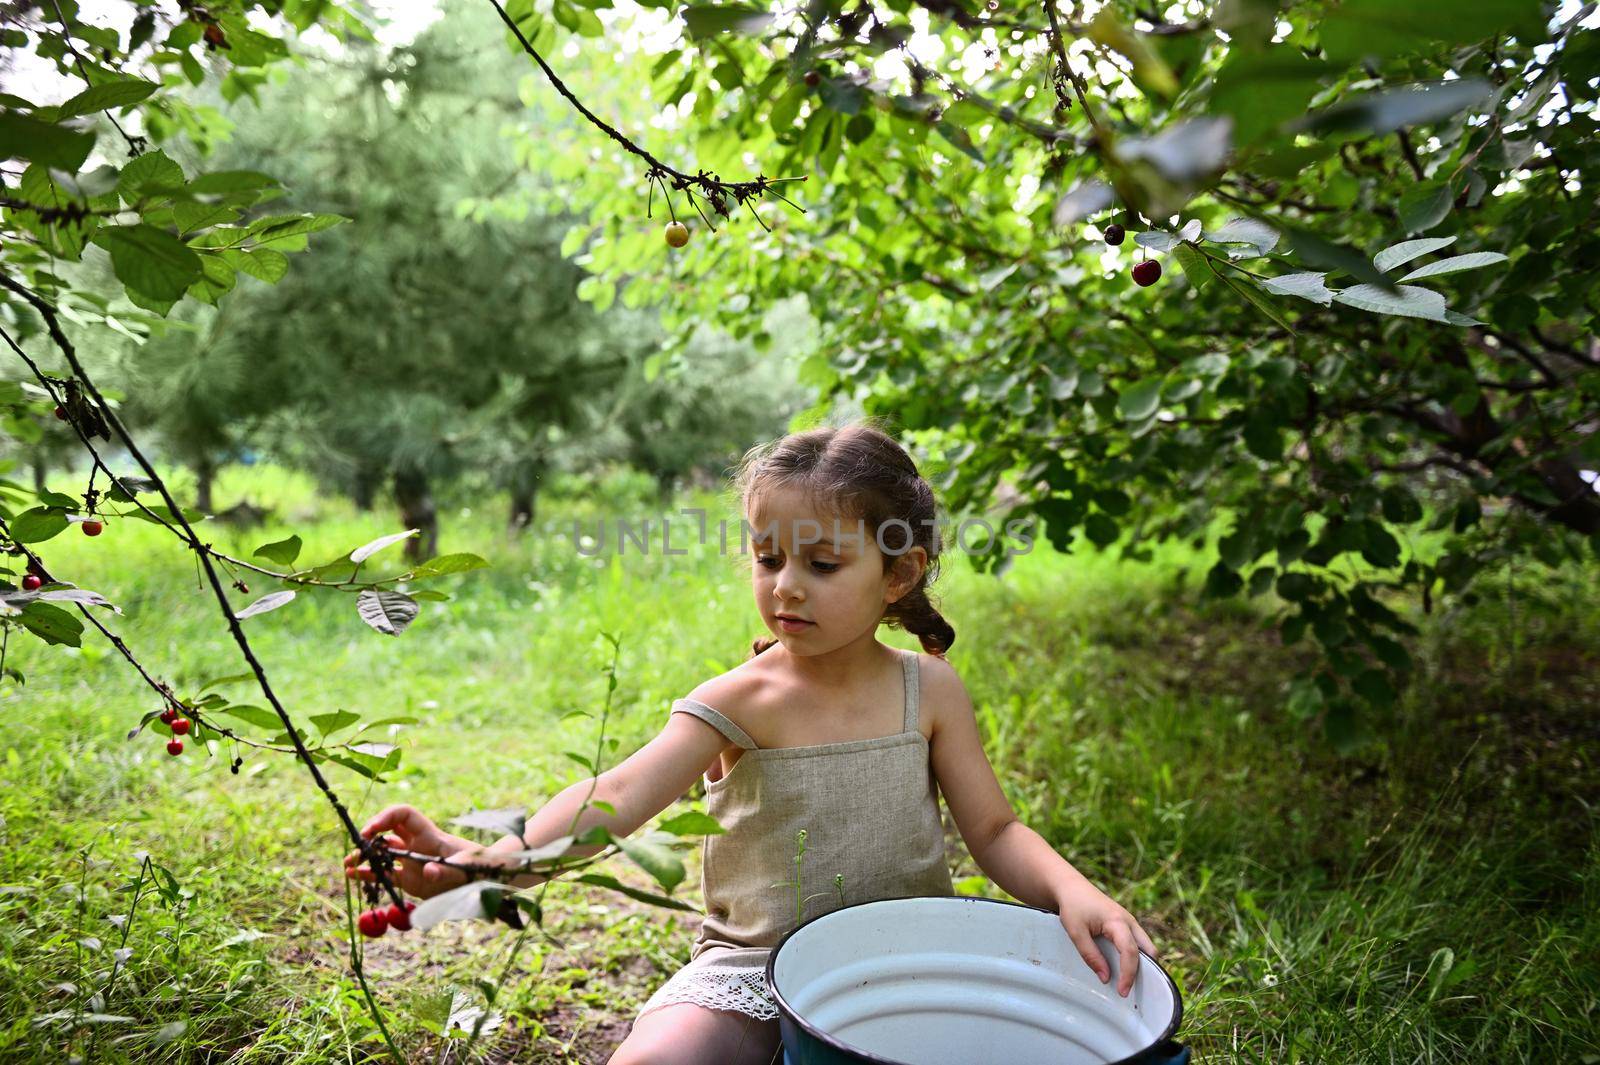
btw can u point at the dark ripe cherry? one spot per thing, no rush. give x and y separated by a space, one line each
92 527
1146 273
61 414
32 582
174 747
180 727
1114 234
813 79
373 923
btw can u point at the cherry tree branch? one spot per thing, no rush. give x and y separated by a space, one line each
53 325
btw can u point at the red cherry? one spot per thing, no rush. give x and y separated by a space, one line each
812 78
61 414
32 582
1146 273
373 923
1114 234
180 727
92 527
399 920
174 747
168 716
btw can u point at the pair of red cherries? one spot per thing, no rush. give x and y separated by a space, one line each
375 922
1145 273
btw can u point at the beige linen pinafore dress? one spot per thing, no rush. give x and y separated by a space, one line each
870 811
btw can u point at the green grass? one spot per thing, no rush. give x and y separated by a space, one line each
1431 899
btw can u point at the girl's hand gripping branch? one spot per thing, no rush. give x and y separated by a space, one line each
406 828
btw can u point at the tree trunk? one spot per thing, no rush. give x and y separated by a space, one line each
205 475
524 487
417 512
365 489
523 501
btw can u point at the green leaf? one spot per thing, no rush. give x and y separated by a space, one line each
37 525
1221 581
692 823
1470 261
1252 295
45 143
960 138
708 20
1260 237
1140 401
461 562
152 174
654 859
1317 251
1263 437
506 820
105 96
1407 300
1263 89
1194 264
471 901
1296 586
387 612
259 716
1380 547
149 260
371 765
226 182
1101 530
1384 112
1402 253
270 601
1382 28
263 264
1156 240
282 228
1425 206
51 624
1307 286
366 551
283 552
611 882
328 724
217 682
1373 686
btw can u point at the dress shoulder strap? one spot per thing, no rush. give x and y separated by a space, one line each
716 720
908 660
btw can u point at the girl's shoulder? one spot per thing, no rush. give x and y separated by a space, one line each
940 689
734 694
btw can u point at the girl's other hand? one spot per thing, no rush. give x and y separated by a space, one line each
1086 912
406 828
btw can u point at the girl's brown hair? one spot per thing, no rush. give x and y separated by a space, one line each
858 473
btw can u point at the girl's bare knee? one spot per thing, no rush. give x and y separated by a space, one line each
686 1034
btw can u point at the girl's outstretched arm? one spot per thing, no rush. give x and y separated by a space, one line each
638 788
1010 853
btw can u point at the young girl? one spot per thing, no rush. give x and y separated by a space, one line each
823 729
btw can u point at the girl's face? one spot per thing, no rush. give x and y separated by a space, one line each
826 573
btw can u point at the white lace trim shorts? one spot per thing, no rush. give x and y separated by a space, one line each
721 979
